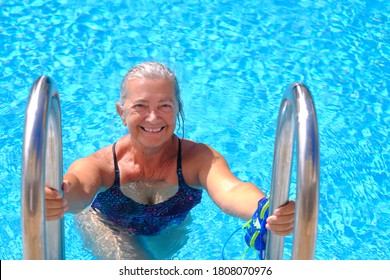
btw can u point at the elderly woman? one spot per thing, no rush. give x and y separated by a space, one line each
149 180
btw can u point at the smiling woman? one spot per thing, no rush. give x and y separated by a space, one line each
153 71
149 110
148 181
234 60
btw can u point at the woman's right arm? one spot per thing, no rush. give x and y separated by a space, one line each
80 186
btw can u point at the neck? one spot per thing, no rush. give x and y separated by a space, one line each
153 157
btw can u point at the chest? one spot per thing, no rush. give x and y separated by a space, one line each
148 185
149 191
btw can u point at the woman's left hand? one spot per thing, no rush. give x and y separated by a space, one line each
282 220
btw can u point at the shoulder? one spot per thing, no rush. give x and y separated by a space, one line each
198 151
99 164
94 159
106 154
198 159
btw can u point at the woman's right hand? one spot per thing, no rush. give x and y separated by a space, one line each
56 205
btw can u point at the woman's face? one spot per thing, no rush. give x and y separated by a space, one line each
150 111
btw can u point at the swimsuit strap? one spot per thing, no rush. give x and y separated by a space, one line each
179 171
117 176
179 156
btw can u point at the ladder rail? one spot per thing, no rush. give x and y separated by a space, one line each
297 124
41 165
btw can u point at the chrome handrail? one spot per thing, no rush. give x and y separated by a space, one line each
297 122
41 165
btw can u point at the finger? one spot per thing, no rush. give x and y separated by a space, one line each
281 219
66 185
54 215
56 204
285 209
280 229
51 193
56 209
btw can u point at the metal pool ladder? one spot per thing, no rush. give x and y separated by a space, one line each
296 123
41 165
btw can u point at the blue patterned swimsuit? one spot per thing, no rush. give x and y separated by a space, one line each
146 219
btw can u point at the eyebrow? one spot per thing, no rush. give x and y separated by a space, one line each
142 100
167 99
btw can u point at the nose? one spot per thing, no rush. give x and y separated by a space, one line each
152 115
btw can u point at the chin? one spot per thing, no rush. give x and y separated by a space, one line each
155 139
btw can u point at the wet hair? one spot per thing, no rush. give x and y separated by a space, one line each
153 70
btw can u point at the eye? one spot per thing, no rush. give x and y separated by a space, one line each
139 107
167 107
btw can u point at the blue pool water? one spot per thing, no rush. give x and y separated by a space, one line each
234 60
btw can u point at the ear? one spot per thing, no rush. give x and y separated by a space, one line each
121 113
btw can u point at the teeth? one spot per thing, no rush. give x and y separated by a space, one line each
152 130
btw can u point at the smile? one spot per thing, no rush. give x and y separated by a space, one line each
153 130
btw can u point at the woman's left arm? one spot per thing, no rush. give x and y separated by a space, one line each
238 198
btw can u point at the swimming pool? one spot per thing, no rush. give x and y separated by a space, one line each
233 59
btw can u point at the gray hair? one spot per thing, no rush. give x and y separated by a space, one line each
153 70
